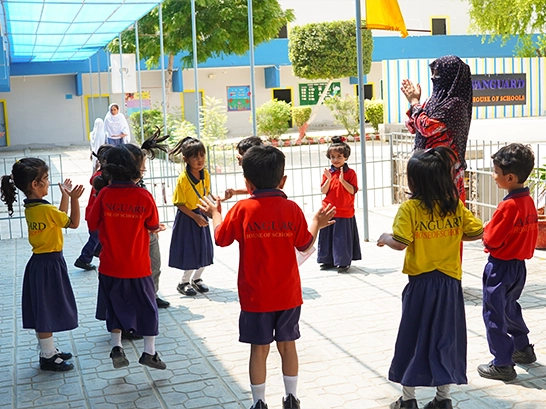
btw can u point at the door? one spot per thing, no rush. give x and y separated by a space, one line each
191 113
97 107
3 126
286 96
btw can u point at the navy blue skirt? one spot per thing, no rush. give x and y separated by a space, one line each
48 300
191 245
431 344
128 304
339 244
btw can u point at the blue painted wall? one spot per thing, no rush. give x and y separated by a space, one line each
275 52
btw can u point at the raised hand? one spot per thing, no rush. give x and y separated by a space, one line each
327 173
324 216
66 186
76 192
412 92
228 194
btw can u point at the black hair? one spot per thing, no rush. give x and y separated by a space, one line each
338 145
263 166
515 158
430 179
189 148
123 163
23 173
101 153
247 143
154 144
99 182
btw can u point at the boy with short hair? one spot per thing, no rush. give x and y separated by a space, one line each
510 238
269 228
243 145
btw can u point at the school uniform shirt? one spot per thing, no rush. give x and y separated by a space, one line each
268 227
433 242
186 186
45 223
93 195
337 195
123 213
513 230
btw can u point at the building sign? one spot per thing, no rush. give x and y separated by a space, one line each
310 93
499 89
133 100
238 98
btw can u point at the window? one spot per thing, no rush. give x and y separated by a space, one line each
368 91
283 32
439 26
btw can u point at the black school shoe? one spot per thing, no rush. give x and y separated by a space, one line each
291 402
65 356
200 286
55 363
119 359
406 404
439 404
162 303
259 405
525 355
185 289
153 361
326 266
500 373
84 266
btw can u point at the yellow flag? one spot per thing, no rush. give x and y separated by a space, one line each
385 15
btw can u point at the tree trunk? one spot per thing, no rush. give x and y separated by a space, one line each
169 80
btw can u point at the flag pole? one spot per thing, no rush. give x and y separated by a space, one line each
364 182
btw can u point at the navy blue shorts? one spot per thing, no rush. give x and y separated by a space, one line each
262 328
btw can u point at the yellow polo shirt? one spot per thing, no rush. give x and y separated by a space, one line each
186 186
45 223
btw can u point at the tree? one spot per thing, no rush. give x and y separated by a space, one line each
327 51
507 18
222 28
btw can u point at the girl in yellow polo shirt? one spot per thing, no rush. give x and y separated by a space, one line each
430 348
48 300
191 243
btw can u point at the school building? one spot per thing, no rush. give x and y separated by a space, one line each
56 102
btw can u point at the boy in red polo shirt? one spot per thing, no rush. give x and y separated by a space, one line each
268 228
509 238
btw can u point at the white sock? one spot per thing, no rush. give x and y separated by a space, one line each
198 273
258 392
290 385
408 392
149 345
47 347
115 339
442 392
186 276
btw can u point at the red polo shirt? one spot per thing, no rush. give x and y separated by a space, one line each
269 228
93 195
338 196
123 213
513 229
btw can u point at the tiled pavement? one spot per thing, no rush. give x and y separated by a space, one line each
348 325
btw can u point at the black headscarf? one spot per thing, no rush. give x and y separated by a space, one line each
451 101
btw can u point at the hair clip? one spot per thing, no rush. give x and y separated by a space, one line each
343 139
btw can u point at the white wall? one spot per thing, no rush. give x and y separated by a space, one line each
38 111
416 13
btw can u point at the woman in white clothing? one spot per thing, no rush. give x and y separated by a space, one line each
97 137
116 126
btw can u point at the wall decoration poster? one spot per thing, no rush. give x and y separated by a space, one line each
132 102
238 98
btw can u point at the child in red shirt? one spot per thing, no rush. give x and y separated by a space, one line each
509 238
338 244
124 214
268 227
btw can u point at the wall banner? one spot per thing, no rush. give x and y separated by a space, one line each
238 98
310 92
499 89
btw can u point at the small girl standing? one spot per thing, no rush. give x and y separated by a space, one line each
48 300
124 214
431 345
191 243
338 244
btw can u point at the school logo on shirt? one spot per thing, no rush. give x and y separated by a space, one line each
522 225
124 210
268 229
436 228
35 227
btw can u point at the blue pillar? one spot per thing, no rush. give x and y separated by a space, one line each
272 77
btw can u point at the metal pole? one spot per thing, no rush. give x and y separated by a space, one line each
91 91
138 81
195 68
364 182
121 73
251 54
99 72
162 60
